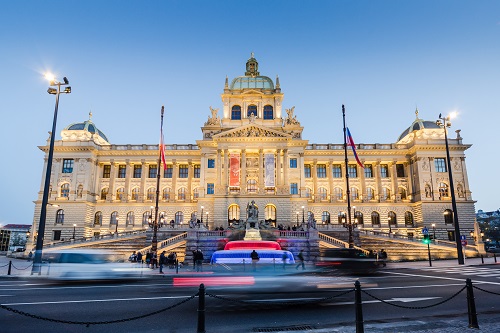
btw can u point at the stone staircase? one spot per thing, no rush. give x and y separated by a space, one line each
123 246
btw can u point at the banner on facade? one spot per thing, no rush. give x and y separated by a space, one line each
269 169
234 170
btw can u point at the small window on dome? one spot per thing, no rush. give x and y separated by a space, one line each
268 112
77 127
236 112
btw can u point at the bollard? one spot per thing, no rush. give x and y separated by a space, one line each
471 305
201 309
359 308
274 264
495 256
482 259
244 265
176 266
10 267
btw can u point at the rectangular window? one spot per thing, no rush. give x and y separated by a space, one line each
211 163
353 171
168 172
57 235
197 171
368 171
384 171
183 171
152 171
294 188
321 171
307 171
400 170
137 171
106 171
122 171
67 165
440 164
337 171
293 163
210 188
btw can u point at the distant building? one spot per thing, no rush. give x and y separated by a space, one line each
14 236
252 150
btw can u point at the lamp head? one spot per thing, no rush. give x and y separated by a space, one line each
67 90
50 77
65 79
52 91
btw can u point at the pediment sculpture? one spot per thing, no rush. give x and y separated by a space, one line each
214 119
253 132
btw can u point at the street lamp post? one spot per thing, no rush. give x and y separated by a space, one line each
207 221
37 260
202 214
116 225
297 218
434 232
444 122
303 215
390 227
74 231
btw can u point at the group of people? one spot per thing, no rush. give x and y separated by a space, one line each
151 259
380 255
198 260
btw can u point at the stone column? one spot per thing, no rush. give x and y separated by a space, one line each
261 172
467 191
190 179
376 167
142 195
394 179
314 172
112 177
302 184
329 175
243 187
278 167
362 183
128 175
286 165
409 181
219 167
225 172
175 172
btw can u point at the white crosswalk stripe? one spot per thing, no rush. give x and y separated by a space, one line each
474 271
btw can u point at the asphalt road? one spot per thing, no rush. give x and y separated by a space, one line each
249 302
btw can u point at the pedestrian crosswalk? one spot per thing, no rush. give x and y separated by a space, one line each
467 270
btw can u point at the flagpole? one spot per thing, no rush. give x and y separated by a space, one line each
349 224
154 241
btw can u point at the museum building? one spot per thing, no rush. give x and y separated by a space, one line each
253 151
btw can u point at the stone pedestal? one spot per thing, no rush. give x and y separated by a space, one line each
252 234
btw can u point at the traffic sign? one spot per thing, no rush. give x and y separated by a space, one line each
464 242
462 237
425 231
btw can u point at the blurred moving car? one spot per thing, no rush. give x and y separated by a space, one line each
88 264
347 260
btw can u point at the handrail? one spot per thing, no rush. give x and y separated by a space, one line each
332 240
123 234
167 242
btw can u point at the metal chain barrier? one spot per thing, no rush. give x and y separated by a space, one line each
415 307
4 265
21 269
487 291
88 323
321 300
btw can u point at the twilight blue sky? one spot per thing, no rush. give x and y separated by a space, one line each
125 59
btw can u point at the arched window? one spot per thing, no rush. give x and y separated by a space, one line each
391 218
358 217
308 192
386 194
135 194
181 193
251 186
338 193
270 213
130 218
252 109
151 194
402 193
370 193
342 217
179 218
448 216
322 193
166 193
120 194
114 218
98 218
196 193
104 193
268 112
60 216
145 218
408 219
236 112
65 190
233 213
354 193
325 217
375 218
443 191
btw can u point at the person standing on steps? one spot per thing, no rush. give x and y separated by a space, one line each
255 258
300 256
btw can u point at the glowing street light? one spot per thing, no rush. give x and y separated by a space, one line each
37 260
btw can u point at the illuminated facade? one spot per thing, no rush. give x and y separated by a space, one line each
253 149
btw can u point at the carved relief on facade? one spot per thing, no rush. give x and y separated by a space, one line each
425 164
253 131
252 162
456 164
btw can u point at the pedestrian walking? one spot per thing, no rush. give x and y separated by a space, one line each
163 259
139 257
199 261
382 255
148 258
300 256
255 259
154 260
284 258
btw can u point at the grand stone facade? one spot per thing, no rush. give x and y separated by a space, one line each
251 150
